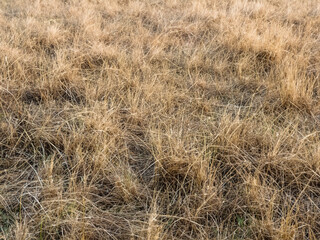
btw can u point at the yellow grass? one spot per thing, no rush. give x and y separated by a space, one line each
159 119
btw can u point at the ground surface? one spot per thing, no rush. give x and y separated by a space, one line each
159 119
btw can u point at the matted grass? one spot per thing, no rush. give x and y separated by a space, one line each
159 119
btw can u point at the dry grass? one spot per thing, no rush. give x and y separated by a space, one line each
155 119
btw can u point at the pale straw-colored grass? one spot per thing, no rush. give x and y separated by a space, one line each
159 119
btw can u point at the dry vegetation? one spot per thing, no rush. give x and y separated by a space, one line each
157 119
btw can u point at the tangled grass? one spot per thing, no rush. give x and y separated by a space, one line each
151 119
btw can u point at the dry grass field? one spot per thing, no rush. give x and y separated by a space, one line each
160 119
